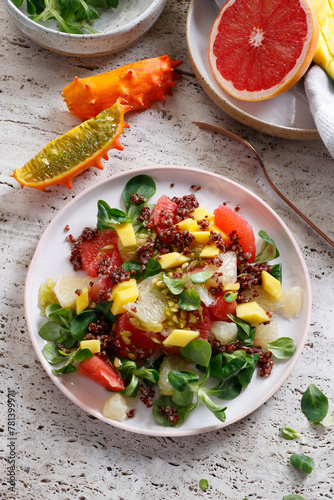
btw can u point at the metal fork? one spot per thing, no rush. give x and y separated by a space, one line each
225 132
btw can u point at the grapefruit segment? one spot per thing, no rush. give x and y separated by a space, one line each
102 372
221 308
260 49
229 220
163 214
92 251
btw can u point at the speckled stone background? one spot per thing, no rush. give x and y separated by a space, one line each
62 452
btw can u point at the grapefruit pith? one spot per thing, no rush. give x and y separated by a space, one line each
259 49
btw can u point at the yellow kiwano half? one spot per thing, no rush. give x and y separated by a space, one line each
324 54
80 148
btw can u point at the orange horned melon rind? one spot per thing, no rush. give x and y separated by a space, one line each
139 84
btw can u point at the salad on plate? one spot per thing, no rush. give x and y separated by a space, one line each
169 305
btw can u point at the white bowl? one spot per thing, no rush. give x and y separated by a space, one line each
118 28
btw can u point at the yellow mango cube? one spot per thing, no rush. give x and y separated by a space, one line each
173 259
322 55
203 214
126 234
121 286
252 313
271 285
81 301
330 69
188 225
180 338
93 345
201 236
209 251
325 49
327 30
216 229
233 287
124 297
323 9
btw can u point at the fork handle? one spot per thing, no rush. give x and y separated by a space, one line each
226 133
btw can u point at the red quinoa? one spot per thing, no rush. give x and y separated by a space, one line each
136 199
174 239
147 395
119 275
169 413
145 252
185 206
145 215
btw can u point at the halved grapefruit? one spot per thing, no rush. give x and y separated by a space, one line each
261 48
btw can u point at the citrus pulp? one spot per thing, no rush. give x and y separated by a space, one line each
228 220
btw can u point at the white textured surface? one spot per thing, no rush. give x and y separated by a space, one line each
62 453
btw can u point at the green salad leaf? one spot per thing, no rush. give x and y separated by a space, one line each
302 462
289 433
108 217
72 16
292 497
189 300
203 484
314 404
268 251
282 348
141 186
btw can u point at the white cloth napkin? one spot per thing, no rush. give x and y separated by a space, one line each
319 89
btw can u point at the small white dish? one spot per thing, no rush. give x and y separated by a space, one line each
51 259
118 28
287 115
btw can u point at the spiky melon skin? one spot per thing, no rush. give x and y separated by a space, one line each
140 84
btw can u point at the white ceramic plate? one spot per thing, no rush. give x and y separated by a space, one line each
287 115
51 259
118 28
